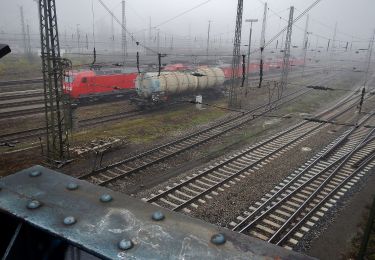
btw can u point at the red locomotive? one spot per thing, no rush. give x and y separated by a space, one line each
88 83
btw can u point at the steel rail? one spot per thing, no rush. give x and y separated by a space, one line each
206 137
321 186
188 136
231 124
290 183
20 82
21 103
237 173
329 195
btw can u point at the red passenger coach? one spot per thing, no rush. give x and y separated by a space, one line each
88 83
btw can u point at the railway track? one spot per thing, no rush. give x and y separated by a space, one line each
30 133
149 158
197 187
291 209
12 101
21 82
104 119
22 103
12 138
21 112
11 95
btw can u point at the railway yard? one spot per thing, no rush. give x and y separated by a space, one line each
281 171
146 143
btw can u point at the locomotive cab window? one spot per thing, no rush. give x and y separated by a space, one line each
69 79
84 80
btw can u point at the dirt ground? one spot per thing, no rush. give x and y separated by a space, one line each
336 242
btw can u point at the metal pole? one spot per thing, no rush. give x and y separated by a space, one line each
158 41
286 62
233 91
304 44
262 45
208 38
112 35
331 66
56 104
23 31
28 41
78 37
123 40
263 35
249 49
248 55
150 32
369 57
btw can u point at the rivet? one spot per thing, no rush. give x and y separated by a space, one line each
72 186
105 198
69 220
125 244
35 173
218 239
33 204
158 215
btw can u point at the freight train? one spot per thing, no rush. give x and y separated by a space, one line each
148 87
154 88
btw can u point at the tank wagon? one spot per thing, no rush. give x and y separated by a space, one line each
153 88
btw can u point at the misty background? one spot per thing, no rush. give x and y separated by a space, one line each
76 23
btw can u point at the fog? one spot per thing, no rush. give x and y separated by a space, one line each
355 19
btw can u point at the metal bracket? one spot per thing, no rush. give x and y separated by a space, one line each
111 225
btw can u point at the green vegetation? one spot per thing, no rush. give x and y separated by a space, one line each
13 66
153 126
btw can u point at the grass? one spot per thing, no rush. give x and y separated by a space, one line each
12 66
244 138
151 127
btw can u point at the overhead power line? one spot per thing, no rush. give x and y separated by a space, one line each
124 28
294 21
183 13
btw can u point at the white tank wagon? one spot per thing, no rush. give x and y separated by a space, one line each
151 86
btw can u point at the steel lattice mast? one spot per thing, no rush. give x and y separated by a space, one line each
304 44
369 56
56 105
24 41
286 62
333 49
233 91
262 44
123 41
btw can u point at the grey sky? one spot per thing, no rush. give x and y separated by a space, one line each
354 17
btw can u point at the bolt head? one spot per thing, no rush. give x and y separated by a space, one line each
33 204
70 220
158 215
72 186
106 198
125 244
35 173
218 239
